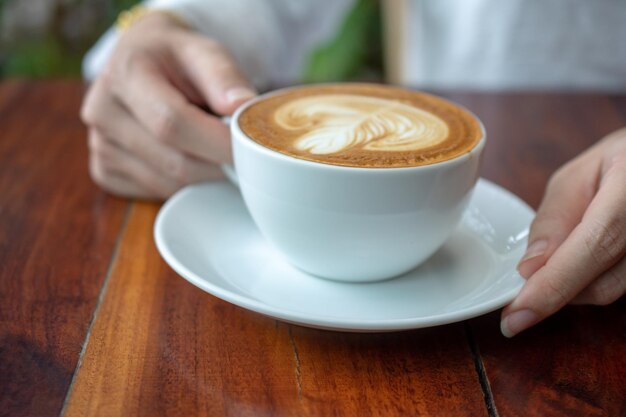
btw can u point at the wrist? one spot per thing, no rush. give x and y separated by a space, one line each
140 13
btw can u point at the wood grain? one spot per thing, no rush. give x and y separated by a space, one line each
421 372
57 234
160 346
530 135
574 363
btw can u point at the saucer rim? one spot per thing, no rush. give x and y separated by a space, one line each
321 321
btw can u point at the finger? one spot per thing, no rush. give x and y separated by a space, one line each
594 246
114 182
118 160
607 288
99 101
117 184
170 118
131 136
567 196
166 161
213 70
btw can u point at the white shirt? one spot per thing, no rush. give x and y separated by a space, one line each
461 44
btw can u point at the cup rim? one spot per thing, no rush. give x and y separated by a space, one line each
234 127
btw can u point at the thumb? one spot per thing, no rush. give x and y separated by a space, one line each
214 73
569 192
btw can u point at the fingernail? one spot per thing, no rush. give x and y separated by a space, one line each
537 248
237 94
518 321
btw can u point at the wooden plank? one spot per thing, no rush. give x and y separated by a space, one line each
159 346
422 372
57 234
10 91
573 364
530 135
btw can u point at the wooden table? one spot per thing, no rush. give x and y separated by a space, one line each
94 323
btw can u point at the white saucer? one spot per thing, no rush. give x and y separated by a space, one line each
205 234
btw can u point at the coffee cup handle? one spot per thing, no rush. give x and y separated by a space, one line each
228 169
229 172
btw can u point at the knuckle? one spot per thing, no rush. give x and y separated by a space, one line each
126 61
97 146
555 294
124 64
88 109
607 290
87 113
605 240
109 79
166 123
92 110
175 167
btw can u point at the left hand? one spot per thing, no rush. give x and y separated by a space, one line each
577 242
148 136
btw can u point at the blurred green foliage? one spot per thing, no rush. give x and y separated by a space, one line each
52 52
355 53
41 58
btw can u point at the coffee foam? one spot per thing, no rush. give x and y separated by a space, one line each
361 125
336 122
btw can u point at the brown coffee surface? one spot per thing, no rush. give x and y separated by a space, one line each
361 125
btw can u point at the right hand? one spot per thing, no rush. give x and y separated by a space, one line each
148 136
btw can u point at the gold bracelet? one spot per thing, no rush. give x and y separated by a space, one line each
129 17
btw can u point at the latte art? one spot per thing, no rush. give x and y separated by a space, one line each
336 122
361 125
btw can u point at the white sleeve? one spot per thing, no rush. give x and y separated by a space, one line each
270 39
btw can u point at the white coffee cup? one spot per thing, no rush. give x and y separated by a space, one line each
348 223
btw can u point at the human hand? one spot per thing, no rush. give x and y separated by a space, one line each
577 242
148 136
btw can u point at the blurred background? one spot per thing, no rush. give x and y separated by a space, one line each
48 38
